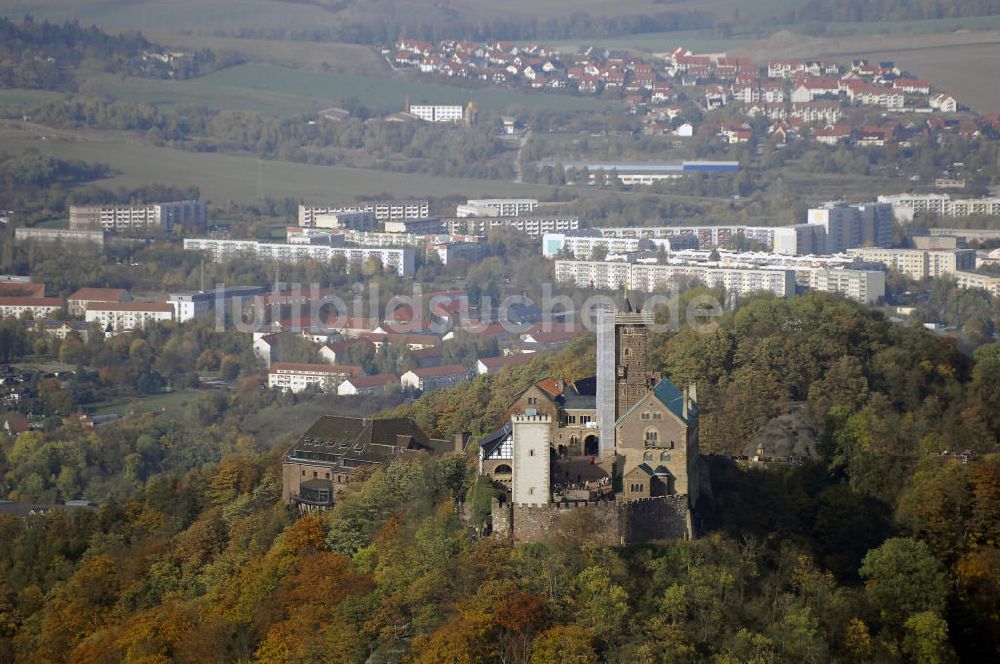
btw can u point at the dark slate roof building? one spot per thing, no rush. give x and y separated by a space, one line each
321 463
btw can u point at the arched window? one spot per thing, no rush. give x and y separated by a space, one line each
664 456
503 469
648 456
627 353
651 436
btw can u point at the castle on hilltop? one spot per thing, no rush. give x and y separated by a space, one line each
619 449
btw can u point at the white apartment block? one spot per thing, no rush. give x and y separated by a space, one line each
438 112
383 210
986 282
919 263
906 206
357 221
583 246
648 277
38 307
121 316
295 377
865 286
535 227
708 236
137 217
399 260
497 207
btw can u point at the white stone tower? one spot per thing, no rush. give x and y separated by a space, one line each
531 471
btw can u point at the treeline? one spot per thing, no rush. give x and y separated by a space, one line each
377 30
32 170
397 146
863 11
44 55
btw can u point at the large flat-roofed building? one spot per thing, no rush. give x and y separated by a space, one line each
650 173
192 304
296 377
384 210
361 220
497 207
919 263
708 236
138 217
987 282
848 226
865 286
123 316
438 112
398 260
323 461
649 277
582 244
63 235
906 206
799 240
533 226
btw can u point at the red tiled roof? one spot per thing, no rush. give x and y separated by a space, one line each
30 301
151 307
448 369
99 295
506 360
21 289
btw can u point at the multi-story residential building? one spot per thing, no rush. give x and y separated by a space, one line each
432 378
449 252
37 307
708 236
78 302
123 316
63 235
497 207
866 286
385 210
400 260
646 277
360 220
986 282
438 112
425 226
919 263
295 377
906 206
847 226
799 240
137 217
582 244
535 227
192 304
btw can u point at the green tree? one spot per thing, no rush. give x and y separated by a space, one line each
904 578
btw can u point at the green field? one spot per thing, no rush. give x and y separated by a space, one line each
277 90
27 98
224 177
171 401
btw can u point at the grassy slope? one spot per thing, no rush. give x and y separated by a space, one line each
231 177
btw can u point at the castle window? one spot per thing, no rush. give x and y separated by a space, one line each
531 452
664 456
657 416
627 353
532 401
328 476
671 444
648 456
651 436
571 419
644 416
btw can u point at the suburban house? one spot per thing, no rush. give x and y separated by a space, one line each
367 385
492 365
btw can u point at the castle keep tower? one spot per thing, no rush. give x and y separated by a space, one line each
531 481
622 378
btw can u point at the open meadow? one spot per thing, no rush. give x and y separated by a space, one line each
225 177
274 90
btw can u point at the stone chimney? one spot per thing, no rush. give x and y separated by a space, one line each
684 402
693 391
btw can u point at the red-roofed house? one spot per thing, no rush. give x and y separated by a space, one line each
367 385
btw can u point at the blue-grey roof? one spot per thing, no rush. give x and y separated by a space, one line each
670 396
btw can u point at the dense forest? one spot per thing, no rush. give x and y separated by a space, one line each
880 548
43 55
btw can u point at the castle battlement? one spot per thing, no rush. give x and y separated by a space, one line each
566 505
543 419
